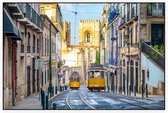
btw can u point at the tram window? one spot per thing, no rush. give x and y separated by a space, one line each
97 74
92 74
78 79
75 79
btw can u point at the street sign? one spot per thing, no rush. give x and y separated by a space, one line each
39 63
53 63
60 75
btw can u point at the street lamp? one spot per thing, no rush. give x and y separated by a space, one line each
50 68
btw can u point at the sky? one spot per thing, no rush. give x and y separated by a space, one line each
85 11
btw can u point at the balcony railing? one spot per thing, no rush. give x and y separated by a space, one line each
154 55
28 49
151 11
31 14
112 16
34 17
22 49
128 16
133 44
28 11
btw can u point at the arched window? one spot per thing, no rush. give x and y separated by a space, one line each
34 43
28 39
28 43
132 62
88 37
124 62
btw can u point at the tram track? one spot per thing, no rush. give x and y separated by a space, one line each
84 105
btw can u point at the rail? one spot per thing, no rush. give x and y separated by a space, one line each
154 55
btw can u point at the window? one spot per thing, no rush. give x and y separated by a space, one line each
131 62
88 37
136 63
124 62
131 35
28 39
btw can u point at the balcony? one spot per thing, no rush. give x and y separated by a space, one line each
156 12
154 55
31 17
16 10
133 13
28 49
112 16
122 22
134 44
128 16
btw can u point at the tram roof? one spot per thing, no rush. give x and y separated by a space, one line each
74 74
95 67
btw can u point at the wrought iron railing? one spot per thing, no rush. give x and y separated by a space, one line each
39 22
133 44
155 12
128 16
31 14
28 11
154 55
133 13
34 17
21 5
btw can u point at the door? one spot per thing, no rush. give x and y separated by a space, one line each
38 83
28 81
157 34
33 75
112 83
124 82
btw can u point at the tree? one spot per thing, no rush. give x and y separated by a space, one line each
98 57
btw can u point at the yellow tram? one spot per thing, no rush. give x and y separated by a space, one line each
96 79
74 80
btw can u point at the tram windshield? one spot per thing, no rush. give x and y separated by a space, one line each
74 79
96 74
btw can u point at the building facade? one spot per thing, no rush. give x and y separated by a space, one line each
52 10
135 31
152 32
89 35
29 23
49 44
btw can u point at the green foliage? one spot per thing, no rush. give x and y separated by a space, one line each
98 57
160 49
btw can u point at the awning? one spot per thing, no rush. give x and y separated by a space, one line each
9 27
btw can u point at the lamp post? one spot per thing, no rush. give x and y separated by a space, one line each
50 68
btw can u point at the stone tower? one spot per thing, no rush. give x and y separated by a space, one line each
89 41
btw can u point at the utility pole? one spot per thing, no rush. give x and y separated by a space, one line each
50 68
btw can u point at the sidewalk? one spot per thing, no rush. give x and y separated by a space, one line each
31 102
156 98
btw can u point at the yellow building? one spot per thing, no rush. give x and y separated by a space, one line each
89 41
66 34
52 10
